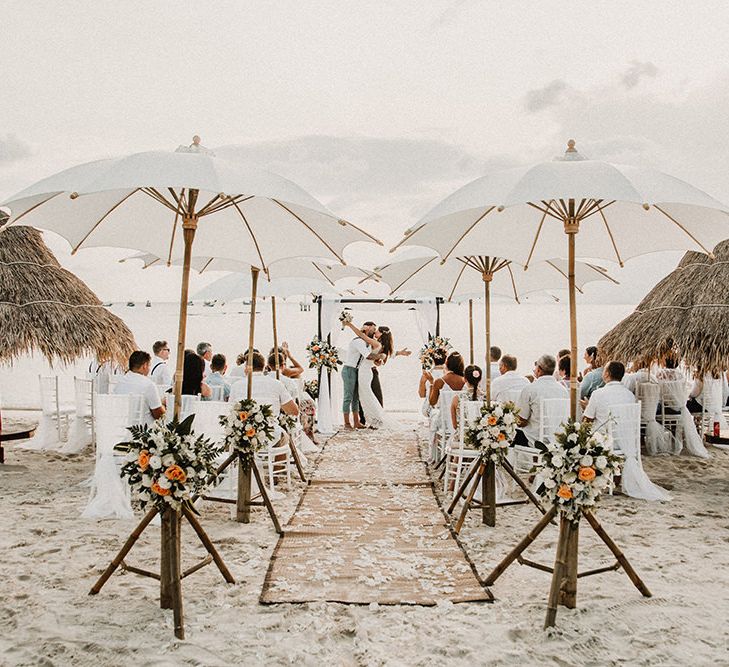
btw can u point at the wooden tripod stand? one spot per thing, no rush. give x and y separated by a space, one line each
564 573
244 502
484 472
169 576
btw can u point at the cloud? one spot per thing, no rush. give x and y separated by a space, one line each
545 97
13 149
637 71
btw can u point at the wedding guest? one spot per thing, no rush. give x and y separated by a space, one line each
218 367
613 393
136 381
563 370
240 366
593 378
563 353
590 358
161 374
294 371
205 351
428 377
508 379
471 391
192 376
494 356
544 386
266 389
670 371
452 378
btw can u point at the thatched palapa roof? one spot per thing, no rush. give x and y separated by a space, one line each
45 308
687 313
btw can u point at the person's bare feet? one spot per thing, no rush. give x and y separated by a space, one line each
360 426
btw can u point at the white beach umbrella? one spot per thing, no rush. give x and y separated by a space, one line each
618 212
160 202
461 278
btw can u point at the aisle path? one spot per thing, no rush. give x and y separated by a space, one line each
369 529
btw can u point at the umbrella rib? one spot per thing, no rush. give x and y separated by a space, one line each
547 210
253 236
174 225
334 252
480 217
227 203
458 279
204 210
344 223
32 208
595 210
566 277
536 236
612 238
688 233
407 236
602 272
103 217
418 270
207 264
500 264
326 277
513 282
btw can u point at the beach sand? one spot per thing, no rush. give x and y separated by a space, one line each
51 557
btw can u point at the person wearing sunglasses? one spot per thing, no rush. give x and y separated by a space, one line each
161 374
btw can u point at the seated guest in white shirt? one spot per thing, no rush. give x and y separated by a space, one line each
205 350
161 374
544 386
564 367
266 389
239 370
136 382
494 356
508 379
218 365
613 393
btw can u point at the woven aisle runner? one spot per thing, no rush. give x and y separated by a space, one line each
369 529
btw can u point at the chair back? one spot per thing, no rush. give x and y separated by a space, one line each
674 393
553 412
189 403
113 412
445 400
207 419
511 395
217 393
137 409
50 401
649 395
84 392
712 397
468 411
624 427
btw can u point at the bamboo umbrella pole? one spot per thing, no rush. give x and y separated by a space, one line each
470 329
243 501
275 338
571 227
487 277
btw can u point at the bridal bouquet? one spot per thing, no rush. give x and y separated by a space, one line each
493 430
428 350
311 387
323 355
345 317
287 422
576 469
249 428
167 463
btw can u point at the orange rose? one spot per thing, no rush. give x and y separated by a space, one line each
501 437
243 416
250 432
492 420
175 473
159 490
586 474
143 460
564 492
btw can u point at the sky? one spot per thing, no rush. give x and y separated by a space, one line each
378 108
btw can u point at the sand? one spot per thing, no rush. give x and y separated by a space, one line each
51 557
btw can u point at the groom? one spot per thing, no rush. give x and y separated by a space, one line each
356 352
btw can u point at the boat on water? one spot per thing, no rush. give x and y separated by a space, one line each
108 304
131 304
148 304
210 304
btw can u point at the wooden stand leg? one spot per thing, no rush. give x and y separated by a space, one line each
464 485
519 548
243 504
266 500
207 543
633 576
557 575
469 499
166 556
488 494
520 482
124 551
568 590
297 459
175 578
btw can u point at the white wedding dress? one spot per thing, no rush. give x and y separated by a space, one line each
374 413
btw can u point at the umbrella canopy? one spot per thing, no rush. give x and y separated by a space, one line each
617 211
461 278
44 307
687 314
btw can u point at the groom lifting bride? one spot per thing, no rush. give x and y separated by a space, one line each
371 348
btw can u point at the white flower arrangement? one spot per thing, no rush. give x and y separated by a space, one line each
428 350
323 355
493 431
167 464
576 469
311 387
345 317
249 427
288 422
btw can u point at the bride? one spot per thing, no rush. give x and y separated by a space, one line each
381 348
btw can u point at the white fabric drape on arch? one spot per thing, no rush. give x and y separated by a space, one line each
426 314
328 316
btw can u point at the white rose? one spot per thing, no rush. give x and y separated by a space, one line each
569 477
586 460
549 483
258 417
600 482
168 460
508 418
146 480
155 462
572 437
601 462
557 461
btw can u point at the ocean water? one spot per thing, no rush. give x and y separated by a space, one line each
525 330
